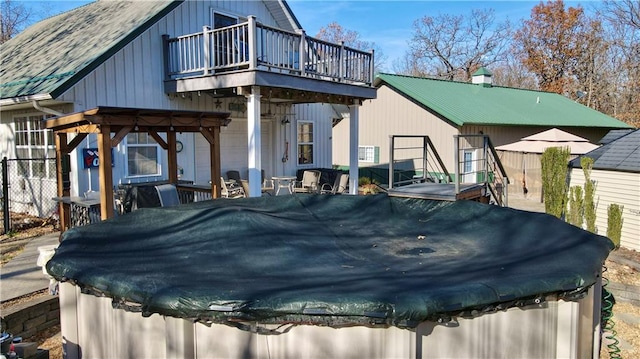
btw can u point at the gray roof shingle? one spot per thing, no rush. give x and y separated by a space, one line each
622 154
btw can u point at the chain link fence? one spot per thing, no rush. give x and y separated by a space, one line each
28 186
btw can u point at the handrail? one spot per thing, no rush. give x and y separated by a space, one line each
252 45
485 168
428 157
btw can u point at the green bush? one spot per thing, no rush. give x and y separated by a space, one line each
576 207
589 193
614 223
554 163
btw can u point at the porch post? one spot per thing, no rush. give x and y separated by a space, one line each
353 147
254 142
172 157
106 176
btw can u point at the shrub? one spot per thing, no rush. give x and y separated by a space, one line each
589 192
576 207
554 163
614 223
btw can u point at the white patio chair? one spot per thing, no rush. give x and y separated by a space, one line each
309 183
339 185
230 191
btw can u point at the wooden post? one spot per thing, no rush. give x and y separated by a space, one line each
106 176
172 156
62 173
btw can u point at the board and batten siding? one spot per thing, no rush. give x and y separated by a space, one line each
620 188
134 77
392 114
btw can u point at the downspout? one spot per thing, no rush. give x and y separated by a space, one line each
37 106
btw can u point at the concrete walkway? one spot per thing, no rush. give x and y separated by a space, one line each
21 275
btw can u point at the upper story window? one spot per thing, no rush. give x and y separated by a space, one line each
305 143
35 145
142 155
222 20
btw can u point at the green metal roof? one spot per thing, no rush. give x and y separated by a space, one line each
53 54
463 103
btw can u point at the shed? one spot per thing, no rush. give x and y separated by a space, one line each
616 173
521 159
313 276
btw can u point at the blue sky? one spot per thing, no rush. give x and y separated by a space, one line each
386 23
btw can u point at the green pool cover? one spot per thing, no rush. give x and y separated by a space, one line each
329 260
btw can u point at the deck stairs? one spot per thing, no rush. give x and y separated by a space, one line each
417 170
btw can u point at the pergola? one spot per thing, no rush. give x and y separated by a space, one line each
112 124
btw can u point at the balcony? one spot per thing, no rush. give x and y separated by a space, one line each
253 54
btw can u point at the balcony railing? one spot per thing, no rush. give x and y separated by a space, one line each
253 46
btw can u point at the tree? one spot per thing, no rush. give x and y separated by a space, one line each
14 17
335 33
551 44
622 18
454 47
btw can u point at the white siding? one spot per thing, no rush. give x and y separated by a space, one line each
133 77
619 188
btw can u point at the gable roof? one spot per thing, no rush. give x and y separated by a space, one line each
622 154
462 103
49 57
52 55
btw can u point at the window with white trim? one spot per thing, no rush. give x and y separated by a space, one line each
142 155
34 141
305 142
370 154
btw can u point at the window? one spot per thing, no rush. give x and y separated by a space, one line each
305 143
222 20
369 154
142 155
468 161
34 142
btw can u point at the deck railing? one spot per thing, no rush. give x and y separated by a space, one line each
253 46
414 159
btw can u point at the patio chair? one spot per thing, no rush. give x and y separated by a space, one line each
309 183
267 185
234 176
339 185
230 191
168 195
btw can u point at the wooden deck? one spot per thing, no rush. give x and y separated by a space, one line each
440 191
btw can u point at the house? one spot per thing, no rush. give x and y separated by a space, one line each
249 62
440 109
616 173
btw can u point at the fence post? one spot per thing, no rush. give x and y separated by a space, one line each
5 195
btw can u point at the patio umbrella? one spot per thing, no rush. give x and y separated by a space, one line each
554 137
